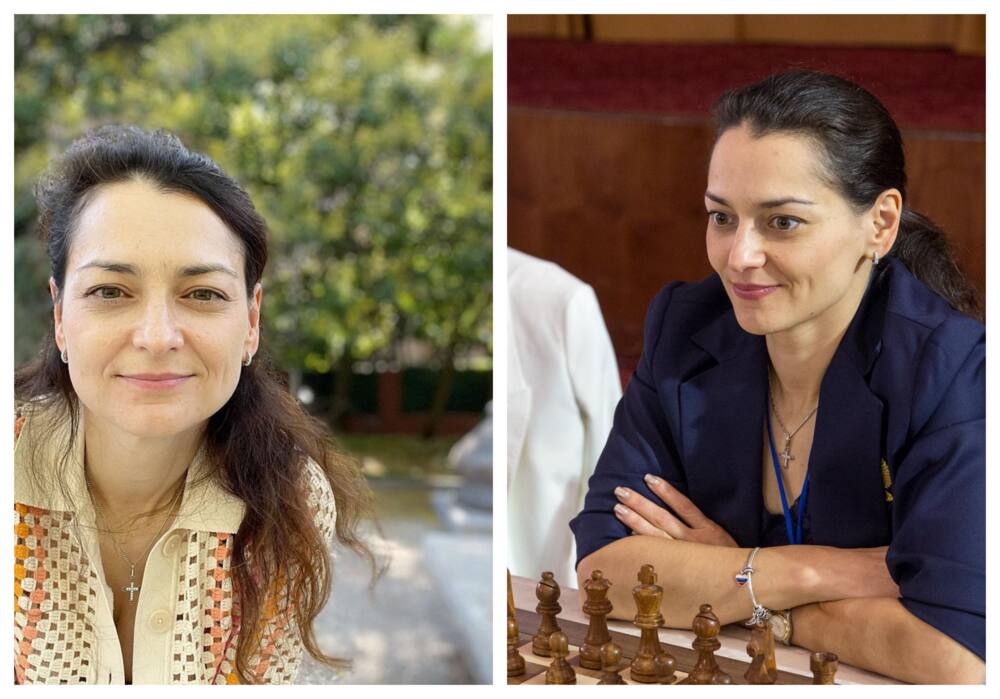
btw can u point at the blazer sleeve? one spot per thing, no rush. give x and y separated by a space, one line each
640 442
938 555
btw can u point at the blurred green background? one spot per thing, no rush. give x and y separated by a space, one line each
366 143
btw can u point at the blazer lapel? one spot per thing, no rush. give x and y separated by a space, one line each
845 461
722 423
721 418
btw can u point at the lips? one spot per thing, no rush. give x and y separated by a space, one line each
155 377
752 292
155 381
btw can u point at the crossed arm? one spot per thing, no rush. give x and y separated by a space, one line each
843 600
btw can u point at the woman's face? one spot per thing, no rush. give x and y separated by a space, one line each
789 248
153 314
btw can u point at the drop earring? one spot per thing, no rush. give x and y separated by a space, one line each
249 359
875 259
64 356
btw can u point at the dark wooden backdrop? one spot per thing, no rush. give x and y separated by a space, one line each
617 199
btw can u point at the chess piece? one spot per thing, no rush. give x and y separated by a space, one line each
515 662
763 666
706 670
597 608
611 664
647 595
665 665
560 671
547 592
824 667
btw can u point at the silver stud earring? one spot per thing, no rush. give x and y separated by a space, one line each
249 359
65 357
875 259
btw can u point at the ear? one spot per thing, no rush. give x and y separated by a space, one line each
886 215
57 314
253 337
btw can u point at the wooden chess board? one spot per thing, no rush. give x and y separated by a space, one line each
535 666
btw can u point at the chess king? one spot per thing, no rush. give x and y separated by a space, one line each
802 442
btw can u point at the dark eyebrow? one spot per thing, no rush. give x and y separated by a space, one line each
198 270
769 204
189 271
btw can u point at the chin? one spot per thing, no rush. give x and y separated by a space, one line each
755 323
156 421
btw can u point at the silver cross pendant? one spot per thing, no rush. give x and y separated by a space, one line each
131 588
787 453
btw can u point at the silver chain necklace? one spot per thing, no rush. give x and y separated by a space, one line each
786 454
131 588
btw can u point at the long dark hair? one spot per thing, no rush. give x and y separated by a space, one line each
863 156
259 441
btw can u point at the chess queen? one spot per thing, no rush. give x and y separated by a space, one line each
803 439
174 504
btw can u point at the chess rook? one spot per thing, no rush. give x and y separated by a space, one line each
597 607
547 592
824 667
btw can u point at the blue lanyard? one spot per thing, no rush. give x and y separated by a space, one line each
794 537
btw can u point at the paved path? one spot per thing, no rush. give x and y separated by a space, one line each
398 634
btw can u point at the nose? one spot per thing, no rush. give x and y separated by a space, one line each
747 251
157 330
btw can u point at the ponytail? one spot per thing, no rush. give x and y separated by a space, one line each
923 248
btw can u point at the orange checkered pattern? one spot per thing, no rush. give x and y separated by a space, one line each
55 595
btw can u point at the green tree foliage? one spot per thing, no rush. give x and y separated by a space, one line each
365 142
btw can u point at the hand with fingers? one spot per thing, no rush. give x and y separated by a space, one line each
680 519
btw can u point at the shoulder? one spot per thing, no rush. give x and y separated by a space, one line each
538 280
920 321
932 352
912 308
319 496
681 309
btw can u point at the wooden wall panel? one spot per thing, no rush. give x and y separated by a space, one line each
856 30
668 28
964 33
617 200
550 26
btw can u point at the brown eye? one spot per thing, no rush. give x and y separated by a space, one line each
206 295
785 223
107 293
719 218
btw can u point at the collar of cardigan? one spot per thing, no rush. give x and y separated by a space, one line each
206 505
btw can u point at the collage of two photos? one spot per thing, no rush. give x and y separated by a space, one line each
741 384
746 353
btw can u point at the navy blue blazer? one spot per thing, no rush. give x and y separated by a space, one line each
906 387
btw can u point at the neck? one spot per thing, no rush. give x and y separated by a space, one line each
801 355
131 475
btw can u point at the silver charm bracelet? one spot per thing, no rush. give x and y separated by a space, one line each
745 577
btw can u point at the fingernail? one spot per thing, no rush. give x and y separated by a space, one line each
651 479
621 509
621 492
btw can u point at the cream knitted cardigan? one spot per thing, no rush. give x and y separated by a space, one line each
185 631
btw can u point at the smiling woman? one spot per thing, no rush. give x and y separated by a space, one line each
837 328
174 504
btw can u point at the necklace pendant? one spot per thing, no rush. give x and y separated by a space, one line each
131 588
786 455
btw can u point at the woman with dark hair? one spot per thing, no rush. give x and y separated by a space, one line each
174 504
809 419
